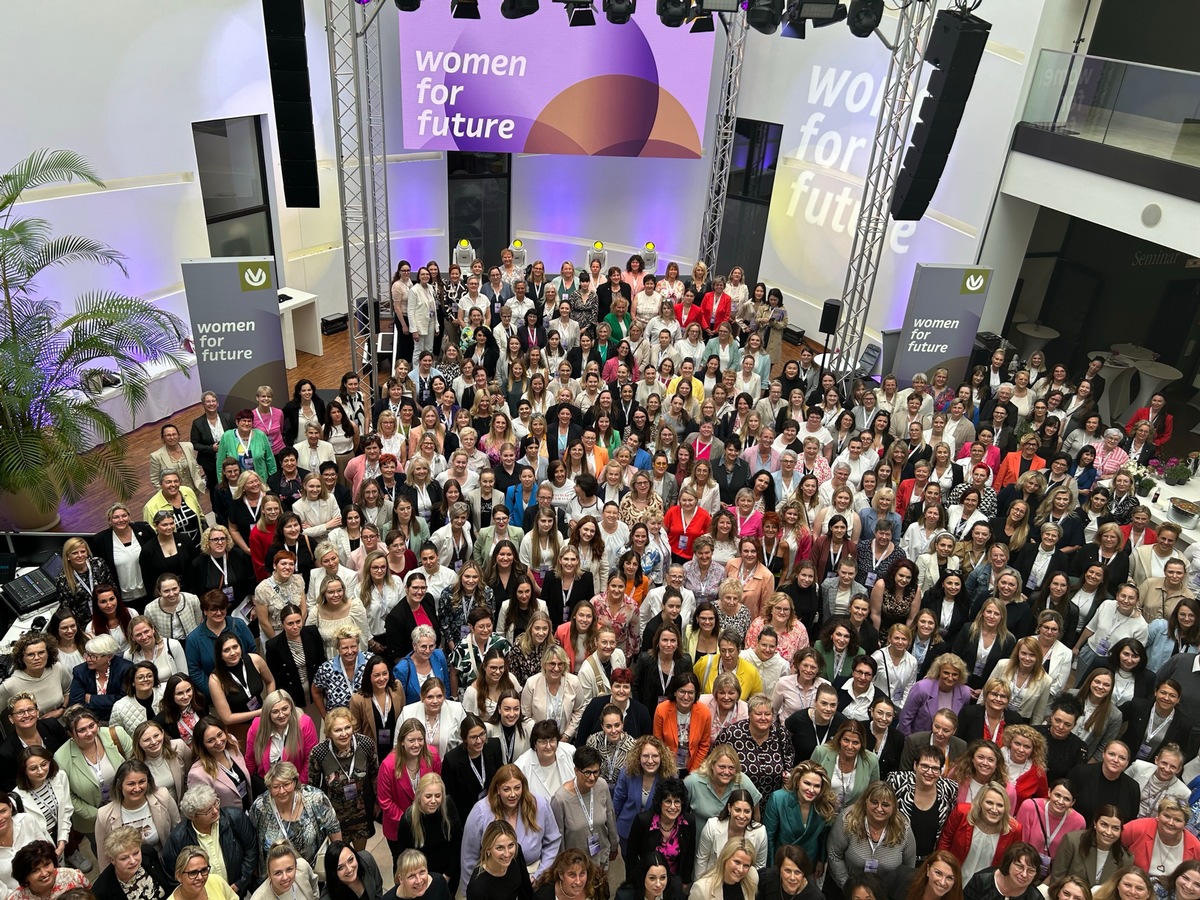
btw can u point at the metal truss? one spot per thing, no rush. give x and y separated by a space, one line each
356 77
722 155
891 135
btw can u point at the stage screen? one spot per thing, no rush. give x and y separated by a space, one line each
536 85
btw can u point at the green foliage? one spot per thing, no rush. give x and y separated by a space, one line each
48 353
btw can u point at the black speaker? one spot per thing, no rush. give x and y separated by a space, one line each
829 316
955 49
287 57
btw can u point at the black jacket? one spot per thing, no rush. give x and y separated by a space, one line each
805 737
462 790
557 604
106 887
889 759
970 722
641 842
201 439
101 544
647 684
283 666
637 719
576 359
291 418
1117 568
238 847
731 481
53 737
399 624
1062 756
574 433
1138 719
769 888
206 576
1027 556
968 648
1093 790
154 564
442 853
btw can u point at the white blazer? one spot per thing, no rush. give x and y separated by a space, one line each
324 453
452 716
535 702
66 809
445 543
592 678
564 758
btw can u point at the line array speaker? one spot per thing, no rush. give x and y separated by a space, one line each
287 56
955 50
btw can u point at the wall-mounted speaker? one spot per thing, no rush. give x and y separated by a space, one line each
955 49
287 57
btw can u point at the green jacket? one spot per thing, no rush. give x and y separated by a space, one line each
260 451
85 790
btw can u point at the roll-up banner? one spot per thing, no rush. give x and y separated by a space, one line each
942 320
233 303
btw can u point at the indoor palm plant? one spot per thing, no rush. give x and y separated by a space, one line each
52 356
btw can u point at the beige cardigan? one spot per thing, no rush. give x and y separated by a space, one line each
163 810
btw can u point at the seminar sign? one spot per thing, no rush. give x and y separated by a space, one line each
233 302
536 85
942 320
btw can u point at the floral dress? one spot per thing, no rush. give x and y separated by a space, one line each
523 666
349 783
317 821
624 622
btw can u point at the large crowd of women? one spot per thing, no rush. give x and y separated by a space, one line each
600 575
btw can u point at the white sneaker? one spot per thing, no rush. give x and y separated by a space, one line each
78 861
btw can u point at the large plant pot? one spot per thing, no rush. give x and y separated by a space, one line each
24 515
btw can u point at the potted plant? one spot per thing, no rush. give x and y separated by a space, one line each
52 357
1177 471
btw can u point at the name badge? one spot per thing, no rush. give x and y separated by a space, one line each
104 792
594 846
683 542
1102 650
385 737
350 791
870 580
871 866
253 703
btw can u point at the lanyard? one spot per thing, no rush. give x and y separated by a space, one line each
665 681
222 567
1152 733
278 818
244 684
1044 821
256 507
350 776
589 811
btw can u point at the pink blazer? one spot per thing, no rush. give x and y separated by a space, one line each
396 792
308 740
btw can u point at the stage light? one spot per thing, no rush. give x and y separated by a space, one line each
408 5
839 15
765 15
864 17
518 9
619 11
581 14
817 9
464 254
702 23
517 248
673 13
599 253
464 9
650 257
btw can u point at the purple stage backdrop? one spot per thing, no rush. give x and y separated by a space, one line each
535 85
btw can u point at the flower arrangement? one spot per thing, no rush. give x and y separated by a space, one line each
1176 471
1142 476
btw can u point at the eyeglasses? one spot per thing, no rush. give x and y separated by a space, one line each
928 767
197 873
591 774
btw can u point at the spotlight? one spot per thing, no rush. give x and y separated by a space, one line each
673 13
702 23
464 254
518 9
619 11
599 253
817 9
518 251
650 257
464 9
581 14
864 17
408 5
764 15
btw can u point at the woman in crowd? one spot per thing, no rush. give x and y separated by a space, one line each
219 763
345 767
281 731
801 812
130 874
90 759
870 834
43 788
296 813
167 758
978 834
668 828
238 684
146 644
529 818
138 802
431 828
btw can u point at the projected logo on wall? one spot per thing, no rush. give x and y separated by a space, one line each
535 85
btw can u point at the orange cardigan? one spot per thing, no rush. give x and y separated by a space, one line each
666 729
563 635
1010 469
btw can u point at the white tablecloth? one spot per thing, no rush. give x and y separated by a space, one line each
168 392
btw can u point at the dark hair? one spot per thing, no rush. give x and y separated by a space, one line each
31 857
871 883
366 689
668 788
1016 851
1087 842
734 796
334 887
587 755
543 730
167 707
681 679
1114 655
131 676
1066 703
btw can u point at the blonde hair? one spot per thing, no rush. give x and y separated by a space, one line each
975 816
413 813
855 819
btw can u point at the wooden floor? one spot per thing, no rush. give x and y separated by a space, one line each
326 372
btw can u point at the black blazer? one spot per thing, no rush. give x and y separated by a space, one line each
559 606
154 564
107 887
1093 790
206 576
435 499
399 624
1117 567
637 719
100 544
539 337
889 759
932 601
968 648
201 439
769 888
805 738
1027 556
462 784
574 433
647 685
291 418
604 296
642 842
1138 720
970 721
279 660
53 737
575 358
730 482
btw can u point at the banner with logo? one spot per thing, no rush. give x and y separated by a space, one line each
537 85
942 320
233 303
